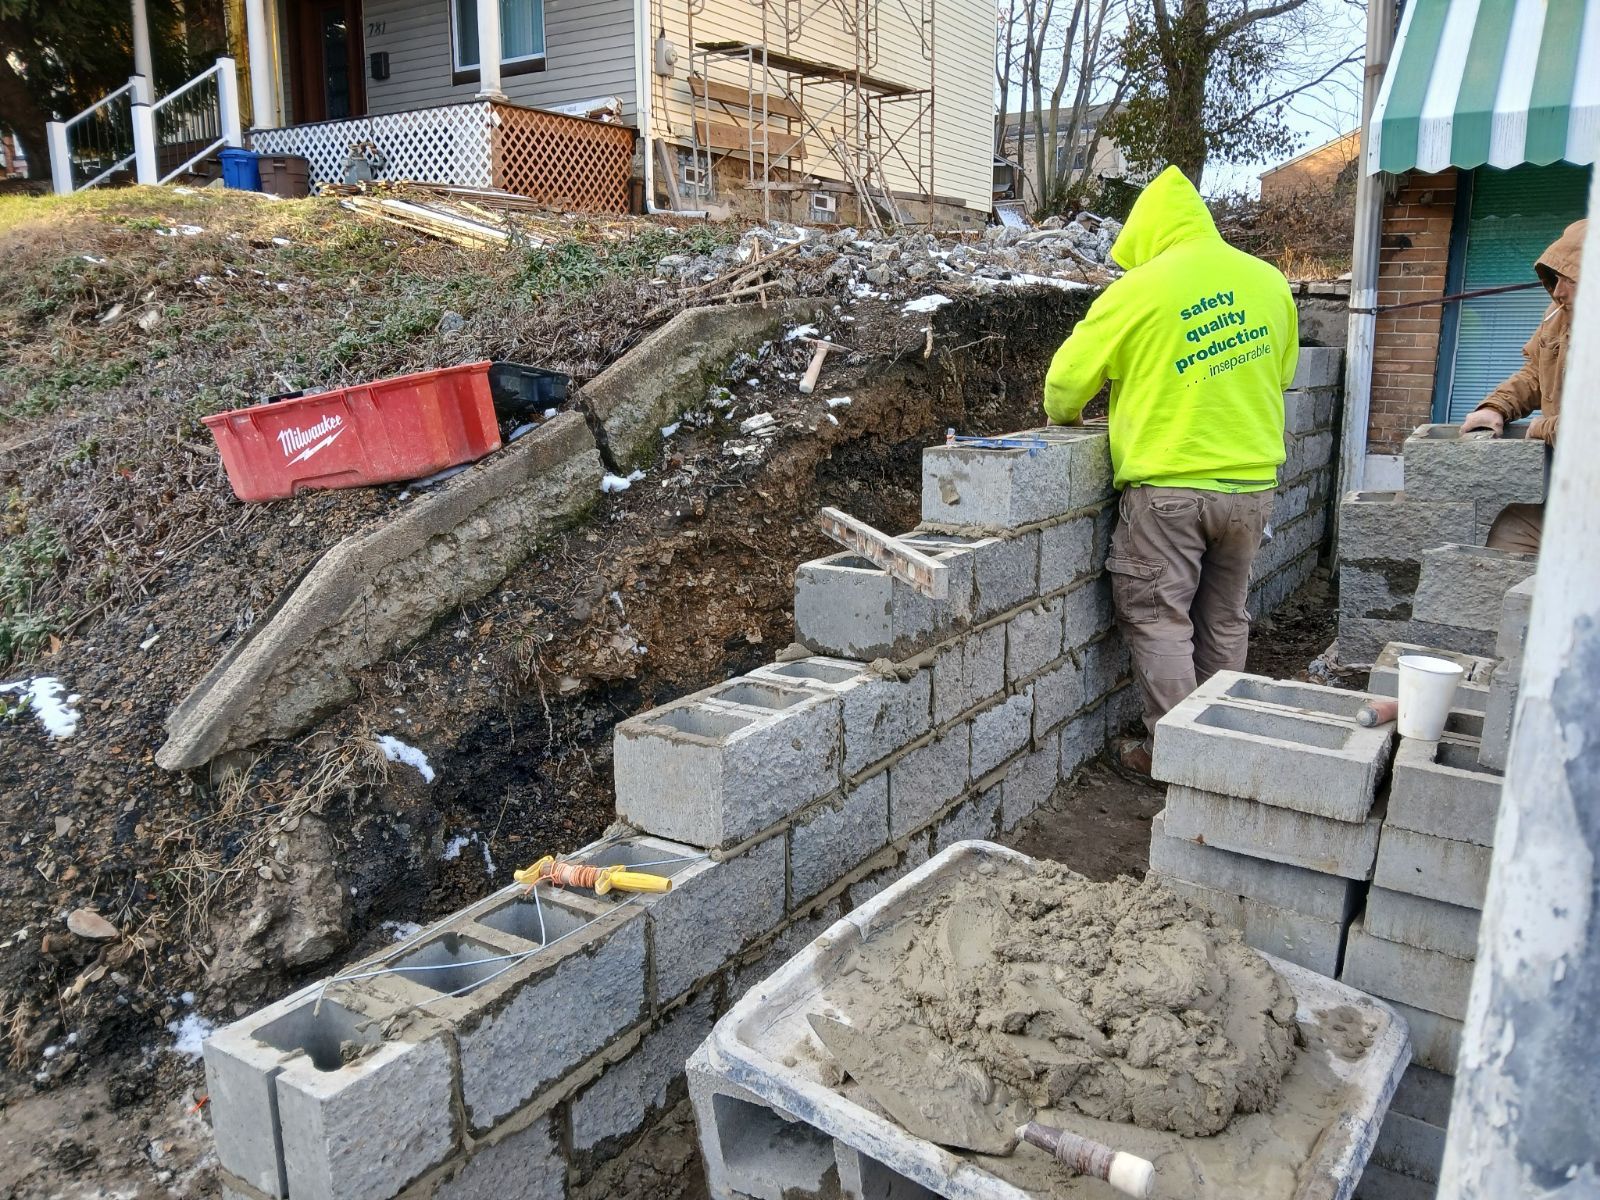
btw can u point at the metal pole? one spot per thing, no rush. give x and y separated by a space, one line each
489 50
145 167
60 157
142 62
1526 1118
1362 325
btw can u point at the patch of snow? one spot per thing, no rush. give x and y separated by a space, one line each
454 847
799 331
190 1032
618 483
521 431
187 998
925 304
550 412
668 430
397 751
93 261
180 231
399 931
838 401
43 695
439 476
831 417
1025 280
281 241
763 424
488 859
150 641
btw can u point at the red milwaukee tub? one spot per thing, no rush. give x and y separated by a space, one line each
393 429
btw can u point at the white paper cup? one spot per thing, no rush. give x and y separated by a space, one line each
1427 688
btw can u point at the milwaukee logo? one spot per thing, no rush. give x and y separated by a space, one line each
312 438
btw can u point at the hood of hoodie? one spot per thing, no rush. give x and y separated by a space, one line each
1562 256
1168 212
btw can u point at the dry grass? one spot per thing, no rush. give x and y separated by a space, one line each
1307 234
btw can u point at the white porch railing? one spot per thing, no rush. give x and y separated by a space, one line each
161 138
448 143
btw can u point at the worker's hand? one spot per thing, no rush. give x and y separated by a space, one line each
1076 422
1484 420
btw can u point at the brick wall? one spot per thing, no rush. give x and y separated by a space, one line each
1412 264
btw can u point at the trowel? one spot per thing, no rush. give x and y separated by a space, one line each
969 1111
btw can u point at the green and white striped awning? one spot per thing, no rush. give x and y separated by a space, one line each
1502 82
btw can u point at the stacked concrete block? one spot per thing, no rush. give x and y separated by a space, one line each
1409 1152
1500 709
1472 693
1299 522
1454 489
1269 819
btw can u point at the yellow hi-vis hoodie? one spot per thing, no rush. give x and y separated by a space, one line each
1199 341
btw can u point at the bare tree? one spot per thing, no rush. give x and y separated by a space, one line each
1061 59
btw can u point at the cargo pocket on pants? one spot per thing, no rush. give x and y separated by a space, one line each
1133 587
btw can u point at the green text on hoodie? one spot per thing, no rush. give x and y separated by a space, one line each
1199 341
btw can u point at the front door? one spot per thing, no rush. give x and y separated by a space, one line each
329 83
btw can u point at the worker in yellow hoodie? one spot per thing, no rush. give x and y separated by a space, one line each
1199 341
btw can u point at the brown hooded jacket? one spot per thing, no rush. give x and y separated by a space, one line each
1538 385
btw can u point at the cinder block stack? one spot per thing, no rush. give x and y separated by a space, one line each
1269 820
1454 489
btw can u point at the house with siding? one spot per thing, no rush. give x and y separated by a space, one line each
1477 154
778 107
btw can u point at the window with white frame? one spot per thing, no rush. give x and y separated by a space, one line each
521 32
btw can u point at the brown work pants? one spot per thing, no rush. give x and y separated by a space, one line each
1180 573
1519 527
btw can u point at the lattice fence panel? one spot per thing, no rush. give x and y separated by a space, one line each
446 144
567 163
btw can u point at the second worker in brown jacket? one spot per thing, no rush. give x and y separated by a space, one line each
1537 387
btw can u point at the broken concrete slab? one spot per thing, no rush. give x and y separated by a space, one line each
1439 788
1424 979
723 764
1301 939
1326 897
671 370
376 592
1344 848
1432 867
1466 586
1425 924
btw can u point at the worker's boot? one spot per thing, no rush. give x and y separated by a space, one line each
1130 758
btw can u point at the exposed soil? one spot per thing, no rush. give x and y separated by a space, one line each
1097 824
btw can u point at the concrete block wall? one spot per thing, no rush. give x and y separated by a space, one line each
1411 564
549 1028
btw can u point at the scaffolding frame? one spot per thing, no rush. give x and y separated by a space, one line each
865 122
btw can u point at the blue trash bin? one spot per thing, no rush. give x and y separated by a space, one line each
241 169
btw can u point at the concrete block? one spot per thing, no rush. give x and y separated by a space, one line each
1435 1040
632 1091
1091 462
1435 868
1361 639
1125 712
522 1163
898 862
1311 763
1306 941
1378 589
1312 699
1005 570
1424 979
1344 848
1439 788
713 911
1425 924
1318 367
1499 712
1409 1146
1082 739
751 1151
968 671
1472 693
1326 897
1491 472
1466 586
881 713
835 834
1105 667
1299 411
1030 782
1289 542
1516 610
1001 732
1087 612
1458 637
927 779
978 487
847 606
1396 527
1380 1183
728 762
975 818
1033 639
767 956
1066 553
1425 1095
1291 501
367 1129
